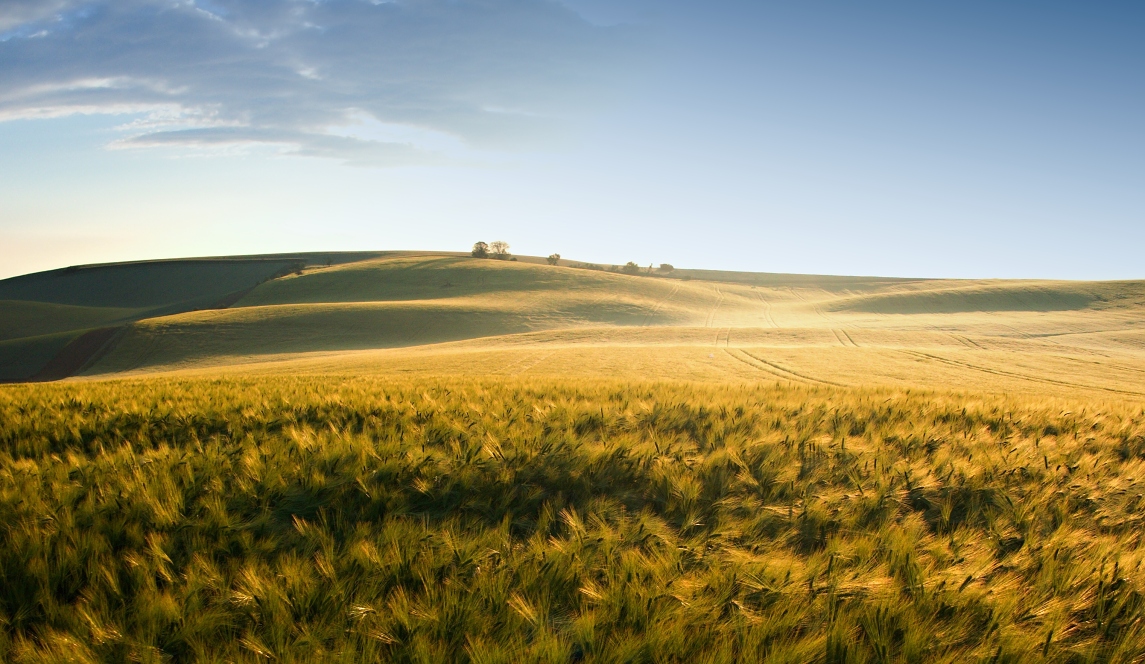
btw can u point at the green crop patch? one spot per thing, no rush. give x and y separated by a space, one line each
350 518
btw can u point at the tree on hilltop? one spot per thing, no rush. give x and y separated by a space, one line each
499 250
554 259
630 268
480 250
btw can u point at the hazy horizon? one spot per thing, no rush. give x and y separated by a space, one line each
978 141
572 261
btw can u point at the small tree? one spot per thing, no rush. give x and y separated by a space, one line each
666 267
499 249
480 250
630 268
554 259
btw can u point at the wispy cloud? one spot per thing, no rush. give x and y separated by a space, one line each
17 13
494 74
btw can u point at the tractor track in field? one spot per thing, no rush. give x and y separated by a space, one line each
819 312
1026 336
533 364
843 338
660 304
511 367
712 313
1122 367
767 369
726 333
777 369
767 310
967 341
1014 374
816 308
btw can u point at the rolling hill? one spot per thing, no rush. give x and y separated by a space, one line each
449 313
42 313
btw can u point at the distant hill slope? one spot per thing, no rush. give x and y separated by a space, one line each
997 295
408 301
40 314
173 315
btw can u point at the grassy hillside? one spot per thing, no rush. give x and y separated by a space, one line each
32 319
434 277
146 285
999 296
348 518
452 313
41 313
456 314
406 302
23 358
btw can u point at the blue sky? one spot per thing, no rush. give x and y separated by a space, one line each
975 139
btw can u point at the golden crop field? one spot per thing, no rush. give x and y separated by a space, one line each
449 315
427 458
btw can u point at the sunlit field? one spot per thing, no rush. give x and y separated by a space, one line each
605 332
437 458
351 518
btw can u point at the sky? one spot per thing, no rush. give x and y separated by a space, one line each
972 139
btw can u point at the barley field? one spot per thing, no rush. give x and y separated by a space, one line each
426 457
327 517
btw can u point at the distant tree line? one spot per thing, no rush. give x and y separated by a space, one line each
499 250
630 268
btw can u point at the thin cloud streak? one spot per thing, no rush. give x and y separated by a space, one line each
496 74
